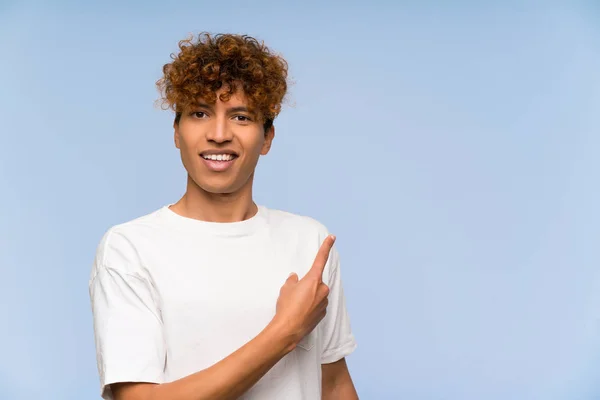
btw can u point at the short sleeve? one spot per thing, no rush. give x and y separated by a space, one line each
127 325
336 333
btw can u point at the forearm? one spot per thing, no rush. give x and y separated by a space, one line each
232 376
337 382
343 391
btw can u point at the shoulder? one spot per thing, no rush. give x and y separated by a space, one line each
303 224
302 236
119 245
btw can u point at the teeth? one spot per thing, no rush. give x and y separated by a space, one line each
219 157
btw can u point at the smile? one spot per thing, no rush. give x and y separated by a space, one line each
219 157
218 162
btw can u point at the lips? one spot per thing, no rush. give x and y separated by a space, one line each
219 157
213 152
218 162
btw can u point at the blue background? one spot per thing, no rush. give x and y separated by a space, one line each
453 147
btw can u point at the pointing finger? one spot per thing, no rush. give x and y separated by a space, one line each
318 266
293 278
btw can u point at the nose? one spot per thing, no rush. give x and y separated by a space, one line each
219 132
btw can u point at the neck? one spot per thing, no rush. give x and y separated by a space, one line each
216 207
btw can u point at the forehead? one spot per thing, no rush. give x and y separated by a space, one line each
237 98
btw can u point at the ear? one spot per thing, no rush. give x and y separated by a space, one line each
269 136
176 134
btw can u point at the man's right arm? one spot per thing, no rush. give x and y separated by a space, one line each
301 305
227 379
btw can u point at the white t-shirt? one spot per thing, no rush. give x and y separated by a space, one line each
173 295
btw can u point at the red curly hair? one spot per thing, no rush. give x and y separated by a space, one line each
205 65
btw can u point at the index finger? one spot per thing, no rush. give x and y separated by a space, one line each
316 271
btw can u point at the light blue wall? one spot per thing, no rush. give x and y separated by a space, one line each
454 150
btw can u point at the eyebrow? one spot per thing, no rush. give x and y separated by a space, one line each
240 109
230 110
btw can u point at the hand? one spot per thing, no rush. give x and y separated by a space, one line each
302 304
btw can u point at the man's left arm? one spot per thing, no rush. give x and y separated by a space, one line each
337 383
337 340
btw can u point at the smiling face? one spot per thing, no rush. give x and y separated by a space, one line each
221 143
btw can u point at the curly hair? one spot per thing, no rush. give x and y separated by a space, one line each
205 65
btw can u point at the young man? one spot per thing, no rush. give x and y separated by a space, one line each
215 297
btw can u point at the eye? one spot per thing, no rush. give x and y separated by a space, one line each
242 118
198 114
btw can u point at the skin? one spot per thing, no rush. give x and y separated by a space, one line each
227 197
337 383
221 196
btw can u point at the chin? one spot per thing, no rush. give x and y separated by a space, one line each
219 187
220 183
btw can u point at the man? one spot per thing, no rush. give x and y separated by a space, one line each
215 297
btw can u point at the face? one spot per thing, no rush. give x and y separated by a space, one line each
221 143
